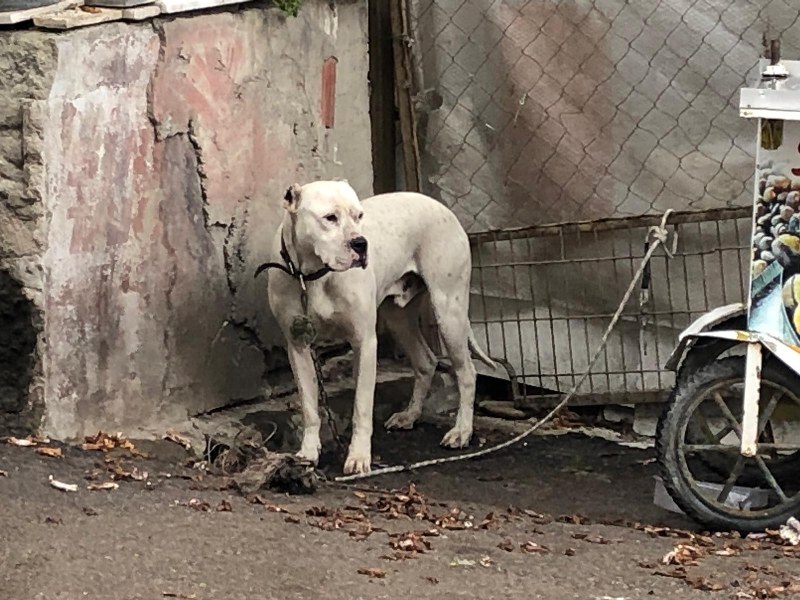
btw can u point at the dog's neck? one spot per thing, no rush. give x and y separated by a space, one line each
302 255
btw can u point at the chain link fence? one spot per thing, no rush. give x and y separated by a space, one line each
541 111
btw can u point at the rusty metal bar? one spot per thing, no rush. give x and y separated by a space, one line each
677 218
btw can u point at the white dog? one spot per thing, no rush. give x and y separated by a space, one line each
352 256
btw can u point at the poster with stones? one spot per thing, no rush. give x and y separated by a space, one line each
775 280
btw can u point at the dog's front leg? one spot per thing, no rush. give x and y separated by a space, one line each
306 378
359 457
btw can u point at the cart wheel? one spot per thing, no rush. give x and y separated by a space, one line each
698 448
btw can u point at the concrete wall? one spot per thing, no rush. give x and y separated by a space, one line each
165 150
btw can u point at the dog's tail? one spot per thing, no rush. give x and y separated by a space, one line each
476 350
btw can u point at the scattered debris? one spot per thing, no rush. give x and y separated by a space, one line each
179 595
89 511
292 519
431 580
224 506
64 487
569 552
3 473
279 471
486 561
174 436
50 451
462 562
54 521
790 532
106 485
373 572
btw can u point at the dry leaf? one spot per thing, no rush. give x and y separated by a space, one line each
3 473
729 551
573 519
569 552
431 580
704 585
791 531
174 436
488 520
534 548
360 495
398 556
60 485
506 545
224 506
54 521
106 485
25 442
462 562
486 561
104 442
410 542
676 573
373 572
179 595
292 519
199 505
682 554
49 451
89 511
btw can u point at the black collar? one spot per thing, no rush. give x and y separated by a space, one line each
290 269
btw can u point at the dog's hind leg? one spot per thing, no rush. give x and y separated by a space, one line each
403 324
451 308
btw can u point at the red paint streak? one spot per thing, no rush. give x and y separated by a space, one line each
328 108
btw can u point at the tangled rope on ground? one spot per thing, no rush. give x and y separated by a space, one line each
657 236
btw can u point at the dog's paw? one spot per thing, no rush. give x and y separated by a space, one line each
310 452
401 420
357 464
457 438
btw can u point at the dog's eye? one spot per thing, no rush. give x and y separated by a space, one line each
331 218
360 216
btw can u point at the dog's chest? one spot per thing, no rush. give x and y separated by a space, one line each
329 319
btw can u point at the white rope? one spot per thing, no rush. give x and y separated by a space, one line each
658 236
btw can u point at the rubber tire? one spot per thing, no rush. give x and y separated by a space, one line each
668 437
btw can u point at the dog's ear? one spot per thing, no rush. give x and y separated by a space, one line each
292 197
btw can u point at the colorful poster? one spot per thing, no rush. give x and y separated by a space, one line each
775 278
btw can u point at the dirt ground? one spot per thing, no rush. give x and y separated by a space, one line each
589 531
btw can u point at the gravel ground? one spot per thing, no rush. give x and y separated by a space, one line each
589 531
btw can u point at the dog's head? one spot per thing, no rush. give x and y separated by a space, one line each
326 216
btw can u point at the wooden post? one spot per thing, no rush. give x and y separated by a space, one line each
381 97
405 103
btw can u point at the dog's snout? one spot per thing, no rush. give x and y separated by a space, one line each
359 245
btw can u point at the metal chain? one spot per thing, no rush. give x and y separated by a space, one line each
322 395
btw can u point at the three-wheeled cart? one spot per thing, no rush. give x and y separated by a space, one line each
729 439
